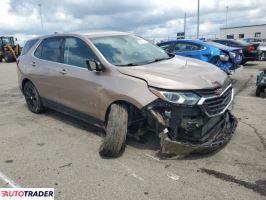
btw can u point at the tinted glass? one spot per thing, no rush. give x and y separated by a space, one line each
50 49
221 42
165 46
240 42
38 51
28 46
7 41
180 47
124 50
77 52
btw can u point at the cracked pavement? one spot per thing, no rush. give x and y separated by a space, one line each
54 150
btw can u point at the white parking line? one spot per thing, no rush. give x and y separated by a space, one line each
131 172
8 181
173 176
152 157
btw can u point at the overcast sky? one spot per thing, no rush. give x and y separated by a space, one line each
150 18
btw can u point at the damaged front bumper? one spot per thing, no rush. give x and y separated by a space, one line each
224 132
187 129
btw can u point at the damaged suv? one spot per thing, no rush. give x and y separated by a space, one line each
123 83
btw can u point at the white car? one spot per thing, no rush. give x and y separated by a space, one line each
262 51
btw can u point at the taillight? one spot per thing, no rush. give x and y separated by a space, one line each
17 61
251 48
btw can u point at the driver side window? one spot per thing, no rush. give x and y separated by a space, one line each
77 52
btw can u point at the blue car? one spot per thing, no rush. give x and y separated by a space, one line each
226 58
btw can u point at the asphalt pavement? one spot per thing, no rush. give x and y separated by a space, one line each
54 150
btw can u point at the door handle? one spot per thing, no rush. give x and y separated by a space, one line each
33 64
63 72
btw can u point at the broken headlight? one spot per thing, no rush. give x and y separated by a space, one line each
224 57
232 55
184 98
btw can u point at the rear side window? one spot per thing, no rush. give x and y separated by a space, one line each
77 52
180 47
165 46
50 49
28 46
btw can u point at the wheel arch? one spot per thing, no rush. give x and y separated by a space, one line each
24 81
130 106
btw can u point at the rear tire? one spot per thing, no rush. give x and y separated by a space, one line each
243 62
8 57
258 90
32 98
116 131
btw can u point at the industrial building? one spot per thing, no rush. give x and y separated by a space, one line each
243 32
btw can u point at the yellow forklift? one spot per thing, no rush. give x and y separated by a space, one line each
8 50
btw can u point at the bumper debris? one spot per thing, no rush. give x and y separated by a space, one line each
188 129
223 135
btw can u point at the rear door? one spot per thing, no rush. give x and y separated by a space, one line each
46 66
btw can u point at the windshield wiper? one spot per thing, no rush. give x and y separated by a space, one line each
159 59
144 63
129 64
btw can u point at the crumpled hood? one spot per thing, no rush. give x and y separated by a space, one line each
178 73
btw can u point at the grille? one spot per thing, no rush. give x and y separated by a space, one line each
216 105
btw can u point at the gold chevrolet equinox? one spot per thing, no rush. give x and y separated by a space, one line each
123 83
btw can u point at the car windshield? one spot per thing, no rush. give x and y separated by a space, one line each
252 40
242 42
129 50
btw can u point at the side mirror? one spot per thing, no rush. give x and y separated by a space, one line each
171 55
94 65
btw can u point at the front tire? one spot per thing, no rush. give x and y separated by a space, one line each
116 131
32 98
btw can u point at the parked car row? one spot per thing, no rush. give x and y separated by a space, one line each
123 83
227 54
250 52
226 58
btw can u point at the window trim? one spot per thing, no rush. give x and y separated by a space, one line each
41 41
63 45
